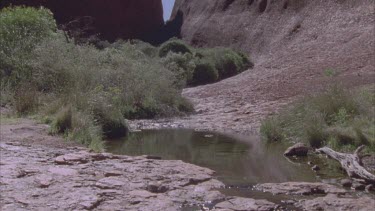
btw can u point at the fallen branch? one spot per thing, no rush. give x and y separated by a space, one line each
352 163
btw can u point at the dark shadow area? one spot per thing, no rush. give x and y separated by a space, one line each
263 5
227 3
172 28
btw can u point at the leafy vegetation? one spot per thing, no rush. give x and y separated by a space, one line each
87 91
338 118
175 46
202 66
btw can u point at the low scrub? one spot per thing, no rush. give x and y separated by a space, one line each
85 92
174 46
226 61
202 66
337 118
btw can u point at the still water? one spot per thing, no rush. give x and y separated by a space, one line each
239 161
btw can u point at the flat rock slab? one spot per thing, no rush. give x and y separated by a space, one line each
333 202
299 188
246 204
72 179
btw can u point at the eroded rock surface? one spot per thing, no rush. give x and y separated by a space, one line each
38 174
86 182
245 204
333 202
299 188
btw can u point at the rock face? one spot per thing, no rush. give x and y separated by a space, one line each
291 42
262 26
111 19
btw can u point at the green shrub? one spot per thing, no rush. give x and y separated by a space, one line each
226 61
314 130
111 121
63 120
175 46
25 98
336 100
146 48
182 65
85 131
204 73
21 28
338 118
271 130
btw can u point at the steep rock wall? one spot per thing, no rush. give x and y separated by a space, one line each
112 19
264 27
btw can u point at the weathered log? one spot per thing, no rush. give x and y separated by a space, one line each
351 163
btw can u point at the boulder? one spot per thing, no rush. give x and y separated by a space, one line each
298 149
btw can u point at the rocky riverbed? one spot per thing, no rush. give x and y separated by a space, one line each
42 172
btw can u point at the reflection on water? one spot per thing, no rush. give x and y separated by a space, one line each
238 161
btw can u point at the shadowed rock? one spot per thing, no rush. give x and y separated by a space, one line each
298 149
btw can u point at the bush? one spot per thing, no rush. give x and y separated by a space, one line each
22 28
85 131
226 61
204 73
25 98
182 65
271 130
338 118
146 48
63 120
175 46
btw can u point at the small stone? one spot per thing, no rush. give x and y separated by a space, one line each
298 149
369 188
44 181
310 163
315 168
61 161
90 202
208 136
346 183
358 186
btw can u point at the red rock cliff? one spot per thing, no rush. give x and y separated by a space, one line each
112 19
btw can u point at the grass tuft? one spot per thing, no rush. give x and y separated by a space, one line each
339 118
